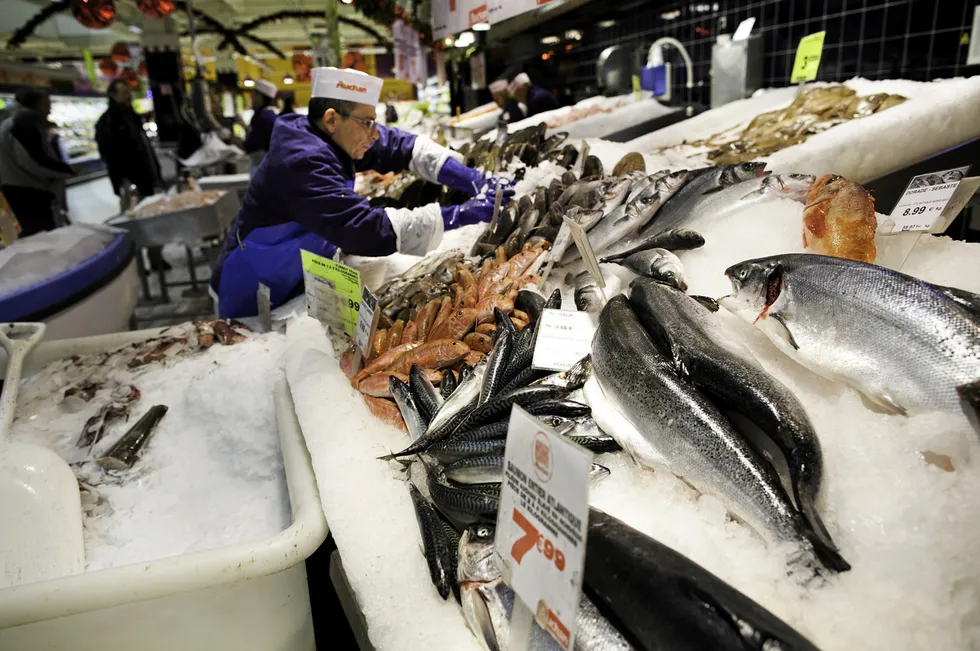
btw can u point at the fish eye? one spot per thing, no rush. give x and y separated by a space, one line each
483 532
742 274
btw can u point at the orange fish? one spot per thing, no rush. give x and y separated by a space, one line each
395 333
839 220
383 361
438 353
445 309
347 363
479 342
411 332
456 324
427 317
386 411
377 385
486 328
492 278
473 358
379 343
484 309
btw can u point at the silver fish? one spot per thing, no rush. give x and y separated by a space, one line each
614 194
659 264
903 343
679 427
678 239
414 420
488 603
588 298
621 222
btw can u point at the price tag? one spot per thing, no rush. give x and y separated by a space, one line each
744 29
585 249
333 292
366 320
564 337
543 521
925 199
808 58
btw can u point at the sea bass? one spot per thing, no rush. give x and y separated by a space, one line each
904 343
665 601
685 332
680 428
488 603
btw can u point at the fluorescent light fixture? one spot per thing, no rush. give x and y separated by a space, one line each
465 39
481 27
550 40
605 24
671 15
248 82
347 2
573 35
288 79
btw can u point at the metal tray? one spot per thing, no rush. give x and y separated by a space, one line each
182 226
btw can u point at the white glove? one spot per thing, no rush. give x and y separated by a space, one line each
429 157
417 231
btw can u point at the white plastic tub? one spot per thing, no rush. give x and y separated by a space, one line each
249 596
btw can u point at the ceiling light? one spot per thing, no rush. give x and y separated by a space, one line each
288 79
465 39
671 15
347 2
448 41
573 35
248 82
481 27
604 24
550 40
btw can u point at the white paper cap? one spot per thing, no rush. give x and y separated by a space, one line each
498 86
350 85
520 80
267 88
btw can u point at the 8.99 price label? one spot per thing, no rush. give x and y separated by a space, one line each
925 199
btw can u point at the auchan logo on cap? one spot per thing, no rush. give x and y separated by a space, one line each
353 87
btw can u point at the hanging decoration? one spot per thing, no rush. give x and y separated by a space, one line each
156 8
120 53
108 67
130 77
94 14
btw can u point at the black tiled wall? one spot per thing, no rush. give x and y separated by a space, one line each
877 39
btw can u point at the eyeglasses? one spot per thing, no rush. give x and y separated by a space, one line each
367 123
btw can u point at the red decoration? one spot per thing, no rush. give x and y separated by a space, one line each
108 67
129 76
94 14
156 8
120 53
141 68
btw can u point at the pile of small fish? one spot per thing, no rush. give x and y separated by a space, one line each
453 331
813 111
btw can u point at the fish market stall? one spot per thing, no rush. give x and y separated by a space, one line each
212 508
860 129
857 533
80 280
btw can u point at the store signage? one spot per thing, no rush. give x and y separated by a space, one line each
808 58
367 320
410 64
564 337
499 10
333 292
925 199
543 521
477 15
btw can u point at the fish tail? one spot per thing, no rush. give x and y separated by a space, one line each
825 552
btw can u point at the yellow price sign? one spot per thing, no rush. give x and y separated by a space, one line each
333 292
808 58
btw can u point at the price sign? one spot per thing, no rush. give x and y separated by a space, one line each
925 199
564 337
366 322
543 521
807 61
585 249
333 292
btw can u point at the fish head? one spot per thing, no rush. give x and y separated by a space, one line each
793 186
745 171
560 424
476 554
671 183
668 268
756 286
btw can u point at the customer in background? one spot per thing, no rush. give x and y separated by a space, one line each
536 99
263 119
288 103
30 169
127 152
503 99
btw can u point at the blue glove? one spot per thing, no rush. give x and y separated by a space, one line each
471 181
473 211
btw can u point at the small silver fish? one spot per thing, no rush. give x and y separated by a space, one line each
659 264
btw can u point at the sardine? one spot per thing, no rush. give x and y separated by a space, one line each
680 428
124 453
663 600
434 543
686 334
901 342
658 264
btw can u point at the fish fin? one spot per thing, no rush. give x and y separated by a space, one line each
778 316
709 303
886 402
753 193
961 297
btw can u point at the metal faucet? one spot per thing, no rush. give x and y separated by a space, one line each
667 40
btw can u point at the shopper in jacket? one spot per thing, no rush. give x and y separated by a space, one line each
302 196
129 158
30 169
536 99
263 119
511 109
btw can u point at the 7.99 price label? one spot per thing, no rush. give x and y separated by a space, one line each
532 539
